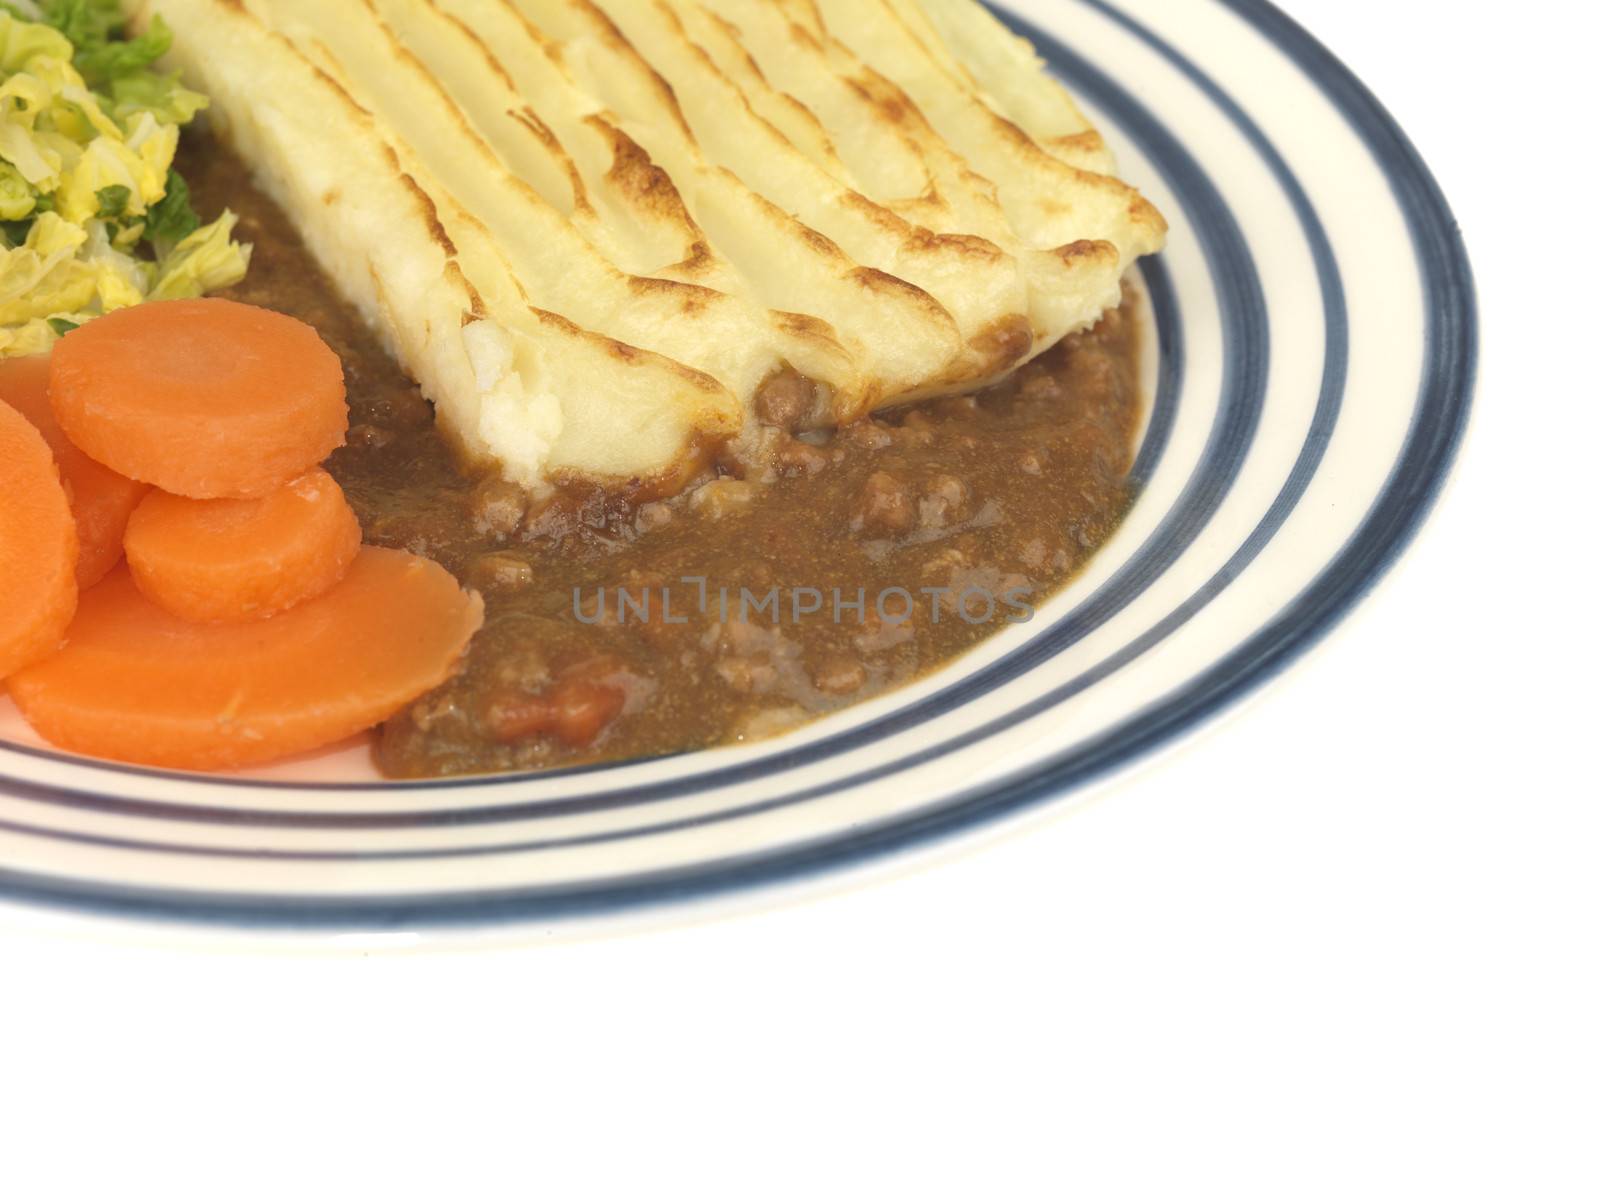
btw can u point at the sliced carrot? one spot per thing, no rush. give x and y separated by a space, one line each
38 547
236 560
102 501
202 398
137 684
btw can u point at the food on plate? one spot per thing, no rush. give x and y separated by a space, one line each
92 217
137 684
691 369
38 547
102 501
235 560
607 238
202 398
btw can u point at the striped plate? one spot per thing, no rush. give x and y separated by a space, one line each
1310 369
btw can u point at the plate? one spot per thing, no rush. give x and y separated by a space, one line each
1310 367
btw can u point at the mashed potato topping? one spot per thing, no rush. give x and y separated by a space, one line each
598 232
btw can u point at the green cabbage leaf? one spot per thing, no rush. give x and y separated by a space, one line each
93 217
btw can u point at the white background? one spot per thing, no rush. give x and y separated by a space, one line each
1344 944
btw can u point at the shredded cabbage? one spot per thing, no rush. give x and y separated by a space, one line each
204 261
92 215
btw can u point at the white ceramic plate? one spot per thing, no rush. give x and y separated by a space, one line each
1311 367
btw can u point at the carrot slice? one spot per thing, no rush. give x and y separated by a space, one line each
102 501
202 398
137 684
236 560
38 547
